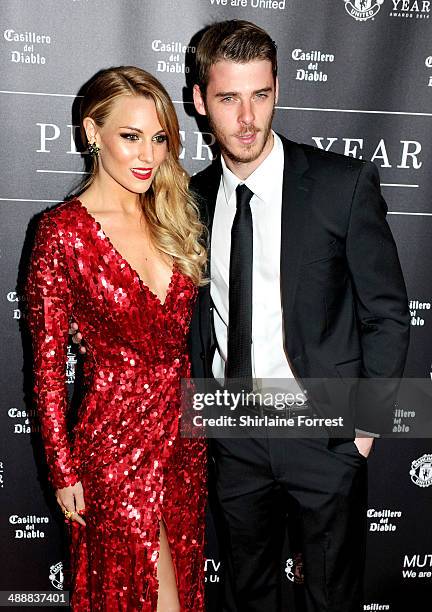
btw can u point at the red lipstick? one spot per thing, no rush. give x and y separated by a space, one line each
143 174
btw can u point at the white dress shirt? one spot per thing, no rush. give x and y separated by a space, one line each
269 359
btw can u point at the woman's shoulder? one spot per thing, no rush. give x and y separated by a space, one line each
62 216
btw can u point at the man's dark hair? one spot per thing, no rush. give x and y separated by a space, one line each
236 41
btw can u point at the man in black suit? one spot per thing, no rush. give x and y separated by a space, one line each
303 261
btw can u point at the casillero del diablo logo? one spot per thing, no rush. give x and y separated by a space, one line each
362 10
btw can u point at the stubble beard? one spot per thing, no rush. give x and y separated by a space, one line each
249 155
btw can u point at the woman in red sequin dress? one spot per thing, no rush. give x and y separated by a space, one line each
124 261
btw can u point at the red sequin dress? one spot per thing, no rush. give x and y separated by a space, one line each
126 448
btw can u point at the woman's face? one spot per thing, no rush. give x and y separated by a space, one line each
132 143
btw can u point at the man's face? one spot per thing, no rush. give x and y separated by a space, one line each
239 104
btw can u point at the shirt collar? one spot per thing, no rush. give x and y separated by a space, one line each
261 180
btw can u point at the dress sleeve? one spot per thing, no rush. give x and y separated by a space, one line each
49 305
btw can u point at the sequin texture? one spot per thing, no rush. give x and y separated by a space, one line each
126 447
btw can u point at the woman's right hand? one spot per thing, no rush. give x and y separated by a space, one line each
77 337
72 499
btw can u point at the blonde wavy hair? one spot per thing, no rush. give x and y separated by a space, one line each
168 207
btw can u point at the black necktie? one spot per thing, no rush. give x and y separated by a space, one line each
239 360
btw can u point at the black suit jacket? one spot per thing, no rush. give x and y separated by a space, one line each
344 301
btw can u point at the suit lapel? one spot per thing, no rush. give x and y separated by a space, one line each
295 194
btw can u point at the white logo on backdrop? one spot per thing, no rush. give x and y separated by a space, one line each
311 70
417 312
26 46
412 564
276 5
13 297
362 10
71 362
421 471
411 9
382 518
171 56
211 570
294 568
52 139
27 526
289 569
401 418
1 475
428 64
375 606
56 575
24 421
259 4
406 157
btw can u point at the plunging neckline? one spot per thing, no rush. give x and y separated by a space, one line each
104 236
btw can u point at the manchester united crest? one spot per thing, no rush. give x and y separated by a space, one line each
56 575
421 471
362 10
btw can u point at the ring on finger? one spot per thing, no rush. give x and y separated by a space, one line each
68 513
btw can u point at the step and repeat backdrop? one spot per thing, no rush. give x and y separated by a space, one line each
355 78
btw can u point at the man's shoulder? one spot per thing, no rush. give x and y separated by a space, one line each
200 181
204 187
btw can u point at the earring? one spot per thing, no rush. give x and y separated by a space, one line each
93 149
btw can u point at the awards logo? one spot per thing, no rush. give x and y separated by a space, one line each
362 10
406 157
411 9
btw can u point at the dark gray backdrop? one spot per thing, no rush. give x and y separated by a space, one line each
364 90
